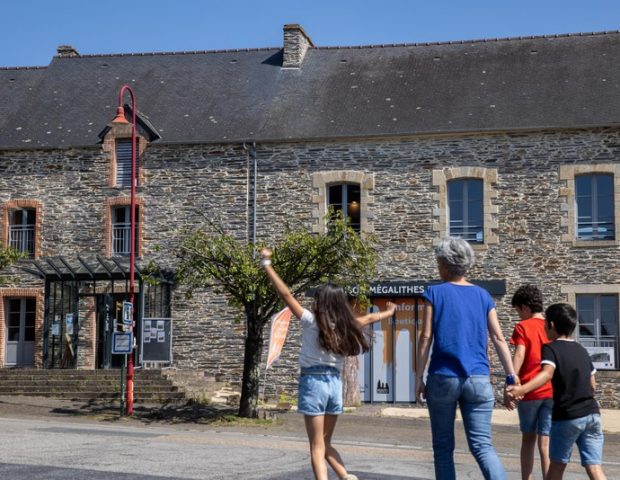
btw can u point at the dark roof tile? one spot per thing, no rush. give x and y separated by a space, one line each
235 95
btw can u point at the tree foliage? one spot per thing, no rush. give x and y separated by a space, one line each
8 256
213 258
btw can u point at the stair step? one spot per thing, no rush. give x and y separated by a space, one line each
151 386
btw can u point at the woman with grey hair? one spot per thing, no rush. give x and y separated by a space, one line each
459 317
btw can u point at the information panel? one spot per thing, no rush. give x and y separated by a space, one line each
157 340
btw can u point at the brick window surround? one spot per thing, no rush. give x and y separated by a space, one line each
37 294
321 182
37 206
440 200
122 131
569 208
124 201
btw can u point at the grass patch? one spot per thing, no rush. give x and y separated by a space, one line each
233 420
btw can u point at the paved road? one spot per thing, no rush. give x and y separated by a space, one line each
376 448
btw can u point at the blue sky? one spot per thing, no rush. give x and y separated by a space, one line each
30 30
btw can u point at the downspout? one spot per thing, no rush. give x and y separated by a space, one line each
252 155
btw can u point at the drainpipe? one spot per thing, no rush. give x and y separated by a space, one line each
252 155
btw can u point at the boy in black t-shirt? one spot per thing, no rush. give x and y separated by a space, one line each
576 417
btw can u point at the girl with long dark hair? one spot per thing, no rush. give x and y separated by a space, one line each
331 331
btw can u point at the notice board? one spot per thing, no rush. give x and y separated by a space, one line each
157 340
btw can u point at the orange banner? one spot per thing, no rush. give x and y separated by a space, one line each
279 329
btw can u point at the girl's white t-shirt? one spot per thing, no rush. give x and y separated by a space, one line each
312 353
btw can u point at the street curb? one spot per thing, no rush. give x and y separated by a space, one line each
610 418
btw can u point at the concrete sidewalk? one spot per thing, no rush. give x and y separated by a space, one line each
501 416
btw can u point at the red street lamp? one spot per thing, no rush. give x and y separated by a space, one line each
120 118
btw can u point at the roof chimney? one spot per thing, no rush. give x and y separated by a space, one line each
296 43
64 51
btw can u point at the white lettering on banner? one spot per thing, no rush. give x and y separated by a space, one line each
397 289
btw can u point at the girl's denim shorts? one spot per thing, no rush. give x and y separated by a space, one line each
320 391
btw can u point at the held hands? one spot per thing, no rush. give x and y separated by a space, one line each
512 394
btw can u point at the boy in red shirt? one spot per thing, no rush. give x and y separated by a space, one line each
535 408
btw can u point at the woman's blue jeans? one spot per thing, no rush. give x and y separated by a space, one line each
475 398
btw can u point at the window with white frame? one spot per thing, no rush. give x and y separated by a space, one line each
345 198
594 198
466 209
598 328
121 230
22 222
20 331
123 162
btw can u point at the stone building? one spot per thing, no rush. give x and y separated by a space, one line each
512 143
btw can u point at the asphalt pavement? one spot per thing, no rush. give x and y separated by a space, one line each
54 439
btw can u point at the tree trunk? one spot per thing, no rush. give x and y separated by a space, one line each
251 370
351 385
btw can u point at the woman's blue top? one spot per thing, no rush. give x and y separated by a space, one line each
460 314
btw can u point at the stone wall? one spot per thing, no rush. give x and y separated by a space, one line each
184 184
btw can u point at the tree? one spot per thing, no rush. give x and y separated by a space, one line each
211 258
8 256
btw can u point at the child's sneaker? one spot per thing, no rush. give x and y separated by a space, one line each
350 476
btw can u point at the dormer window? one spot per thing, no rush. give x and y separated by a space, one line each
123 162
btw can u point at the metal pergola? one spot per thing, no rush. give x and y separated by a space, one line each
68 281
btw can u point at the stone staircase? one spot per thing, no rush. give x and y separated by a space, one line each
150 386
168 386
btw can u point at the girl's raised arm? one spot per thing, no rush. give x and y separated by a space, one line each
281 288
375 317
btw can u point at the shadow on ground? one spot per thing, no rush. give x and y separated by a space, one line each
173 414
190 412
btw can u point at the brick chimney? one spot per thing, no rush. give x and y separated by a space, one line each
65 51
296 43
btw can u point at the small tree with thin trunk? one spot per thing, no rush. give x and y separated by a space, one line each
211 258
8 256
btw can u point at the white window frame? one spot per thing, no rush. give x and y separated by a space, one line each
22 237
344 202
569 203
441 217
125 229
321 181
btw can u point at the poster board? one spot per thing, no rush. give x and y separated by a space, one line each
156 339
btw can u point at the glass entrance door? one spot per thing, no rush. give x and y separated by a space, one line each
19 328
387 372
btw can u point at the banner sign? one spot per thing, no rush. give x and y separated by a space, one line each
279 329
413 288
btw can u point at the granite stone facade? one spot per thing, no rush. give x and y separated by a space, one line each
526 210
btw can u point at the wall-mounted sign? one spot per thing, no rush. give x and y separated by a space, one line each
122 343
602 357
414 288
127 313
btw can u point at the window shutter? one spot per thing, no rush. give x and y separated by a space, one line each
123 162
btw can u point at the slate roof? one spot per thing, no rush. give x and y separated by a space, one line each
233 96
